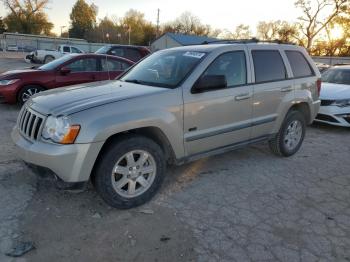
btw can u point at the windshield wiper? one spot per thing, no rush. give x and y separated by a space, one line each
135 81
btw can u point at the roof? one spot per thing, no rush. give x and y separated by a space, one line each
189 39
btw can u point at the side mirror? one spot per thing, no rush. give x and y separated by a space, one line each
65 70
209 82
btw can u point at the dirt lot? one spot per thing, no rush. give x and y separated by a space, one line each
247 205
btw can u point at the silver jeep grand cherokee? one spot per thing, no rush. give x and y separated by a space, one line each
175 106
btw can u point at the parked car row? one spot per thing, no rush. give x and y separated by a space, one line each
18 85
133 53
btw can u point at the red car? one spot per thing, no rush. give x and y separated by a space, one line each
18 85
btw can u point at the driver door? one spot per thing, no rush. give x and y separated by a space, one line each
82 70
220 117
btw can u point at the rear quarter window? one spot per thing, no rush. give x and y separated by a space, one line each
299 64
268 66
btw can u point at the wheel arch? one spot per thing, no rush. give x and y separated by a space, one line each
26 85
151 132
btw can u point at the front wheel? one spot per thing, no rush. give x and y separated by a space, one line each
28 91
130 172
290 136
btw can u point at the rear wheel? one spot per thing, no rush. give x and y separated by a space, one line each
28 91
48 59
130 172
290 136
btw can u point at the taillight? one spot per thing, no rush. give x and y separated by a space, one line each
318 85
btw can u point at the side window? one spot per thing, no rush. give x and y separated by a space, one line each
268 66
133 54
66 49
232 65
299 64
113 65
83 65
117 51
75 50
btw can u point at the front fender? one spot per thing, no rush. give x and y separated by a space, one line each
100 123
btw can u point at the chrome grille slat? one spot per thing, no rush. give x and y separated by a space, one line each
30 118
30 123
34 127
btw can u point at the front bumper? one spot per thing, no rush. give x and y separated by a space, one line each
334 115
8 93
71 163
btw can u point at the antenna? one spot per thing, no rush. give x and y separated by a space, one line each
158 11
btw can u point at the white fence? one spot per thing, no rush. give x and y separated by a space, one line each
331 60
28 43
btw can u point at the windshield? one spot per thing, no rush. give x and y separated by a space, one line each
337 76
102 50
55 63
164 68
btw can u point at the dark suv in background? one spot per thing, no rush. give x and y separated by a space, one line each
133 53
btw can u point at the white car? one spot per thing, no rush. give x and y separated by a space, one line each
335 97
46 56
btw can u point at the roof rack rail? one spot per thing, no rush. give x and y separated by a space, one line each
246 41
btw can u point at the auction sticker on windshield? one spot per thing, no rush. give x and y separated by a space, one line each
198 55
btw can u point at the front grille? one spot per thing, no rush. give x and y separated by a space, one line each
30 123
327 102
326 118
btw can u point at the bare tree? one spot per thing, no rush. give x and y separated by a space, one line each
241 32
317 15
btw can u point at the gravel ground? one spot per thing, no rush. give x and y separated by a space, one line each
247 205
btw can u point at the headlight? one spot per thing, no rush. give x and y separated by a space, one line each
59 130
342 103
8 82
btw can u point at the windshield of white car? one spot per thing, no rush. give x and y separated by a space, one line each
164 68
55 63
337 76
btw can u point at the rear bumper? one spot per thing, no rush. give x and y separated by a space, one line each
334 115
314 110
71 163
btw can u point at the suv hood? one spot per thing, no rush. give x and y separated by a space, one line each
72 99
331 91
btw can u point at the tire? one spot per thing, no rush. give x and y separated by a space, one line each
113 171
48 59
26 92
282 143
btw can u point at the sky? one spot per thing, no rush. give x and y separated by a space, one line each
222 14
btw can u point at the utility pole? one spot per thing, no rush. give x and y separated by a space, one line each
158 23
129 30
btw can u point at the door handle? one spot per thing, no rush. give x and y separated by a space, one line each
287 89
242 96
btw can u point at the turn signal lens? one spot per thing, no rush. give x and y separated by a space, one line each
71 135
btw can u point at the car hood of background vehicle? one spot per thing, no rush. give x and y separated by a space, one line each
331 91
69 100
15 73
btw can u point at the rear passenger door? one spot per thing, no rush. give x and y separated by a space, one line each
272 85
220 117
112 67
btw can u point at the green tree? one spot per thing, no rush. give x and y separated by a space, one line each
27 17
2 26
141 31
83 19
